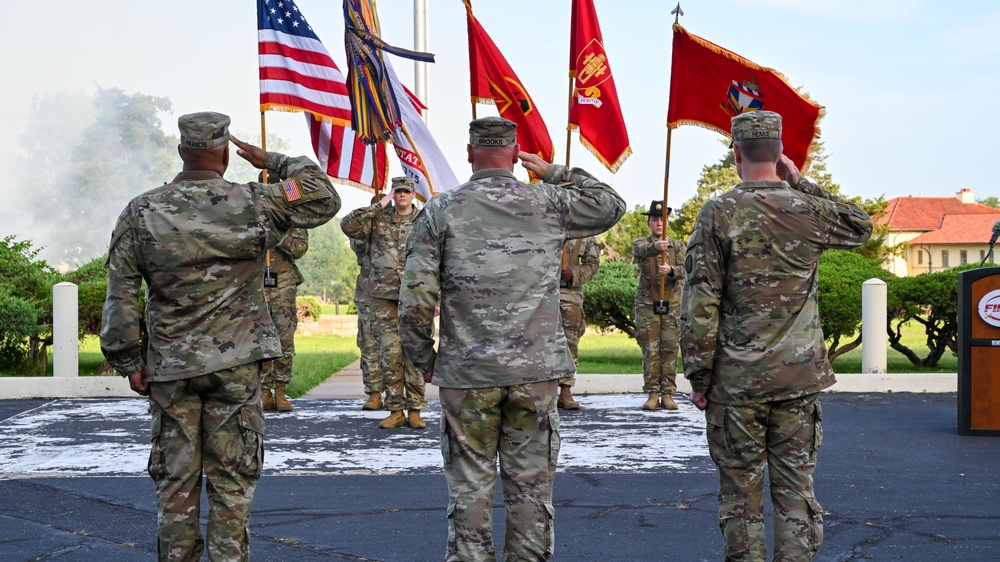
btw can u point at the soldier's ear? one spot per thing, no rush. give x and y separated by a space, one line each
517 150
468 149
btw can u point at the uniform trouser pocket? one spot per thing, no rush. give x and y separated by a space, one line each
252 438
555 441
155 464
733 525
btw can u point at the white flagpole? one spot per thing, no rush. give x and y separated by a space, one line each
421 75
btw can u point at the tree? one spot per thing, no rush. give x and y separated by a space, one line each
992 201
616 243
120 152
931 300
330 267
841 275
715 179
25 306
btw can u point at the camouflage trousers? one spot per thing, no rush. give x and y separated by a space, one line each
404 386
371 371
210 424
574 324
785 437
285 314
521 425
657 336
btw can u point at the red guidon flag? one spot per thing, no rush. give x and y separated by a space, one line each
494 81
594 107
710 85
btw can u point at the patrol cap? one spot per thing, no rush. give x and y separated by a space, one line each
656 209
203 130
402 183
756 125
492 131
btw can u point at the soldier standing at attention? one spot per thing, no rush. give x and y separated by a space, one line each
199 242
752 343
490 250
581 258
657 330
386 229
371 372
281 284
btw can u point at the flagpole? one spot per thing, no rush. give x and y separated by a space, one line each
666 189
569 130
263 140
473 110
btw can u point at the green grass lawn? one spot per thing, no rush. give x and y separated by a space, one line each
616 353
317 357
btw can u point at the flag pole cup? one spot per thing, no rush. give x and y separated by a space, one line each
979 352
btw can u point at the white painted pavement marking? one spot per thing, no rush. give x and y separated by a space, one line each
110 438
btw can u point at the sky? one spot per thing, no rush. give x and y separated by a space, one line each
894 76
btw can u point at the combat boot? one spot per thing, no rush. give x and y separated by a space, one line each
395 420
566 401
374 401
653 402
281 402
266 399
668 401
415 421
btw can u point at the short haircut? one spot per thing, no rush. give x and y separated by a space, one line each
760 150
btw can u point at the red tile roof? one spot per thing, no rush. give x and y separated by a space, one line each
961 229
926 213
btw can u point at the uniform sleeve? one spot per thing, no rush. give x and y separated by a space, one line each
420 290
296 242
120 318
643 248
678 266
591 206
359 223
700 301
590 262
843 225
304 199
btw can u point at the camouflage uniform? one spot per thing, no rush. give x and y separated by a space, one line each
281 302
490 250
658 334
371 372
199 243
583 258
386 233
751 340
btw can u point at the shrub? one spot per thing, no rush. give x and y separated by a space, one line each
609 297
841 275
309 308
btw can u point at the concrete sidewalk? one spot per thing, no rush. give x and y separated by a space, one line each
348 384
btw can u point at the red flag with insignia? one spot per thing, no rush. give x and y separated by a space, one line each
709 85
594 107
494 81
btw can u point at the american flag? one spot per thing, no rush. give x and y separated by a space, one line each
298 74
347 159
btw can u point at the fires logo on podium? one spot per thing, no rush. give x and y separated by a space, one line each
989 308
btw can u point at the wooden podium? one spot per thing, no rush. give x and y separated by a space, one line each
979 351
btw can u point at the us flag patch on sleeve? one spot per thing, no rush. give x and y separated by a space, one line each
291 190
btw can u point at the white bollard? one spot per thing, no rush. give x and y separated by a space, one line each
65 330
873 326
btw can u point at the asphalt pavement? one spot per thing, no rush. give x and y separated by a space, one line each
895 479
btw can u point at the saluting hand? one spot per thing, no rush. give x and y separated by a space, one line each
533 163
788 171
255 155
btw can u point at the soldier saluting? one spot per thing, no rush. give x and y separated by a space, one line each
199 242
